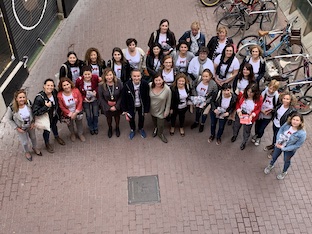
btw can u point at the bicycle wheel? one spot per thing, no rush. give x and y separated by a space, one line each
255 7
268 20
308 92
234 22
304 105
286 48
209 3
223 9
244 44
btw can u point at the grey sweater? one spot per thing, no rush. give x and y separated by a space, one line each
160 103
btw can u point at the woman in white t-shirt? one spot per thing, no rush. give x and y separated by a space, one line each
20 117
290 138
244 78
270 101
226 66
283 110
93 58
134 54
167 71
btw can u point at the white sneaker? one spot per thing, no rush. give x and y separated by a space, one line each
281 175
253 138
268 169
257 142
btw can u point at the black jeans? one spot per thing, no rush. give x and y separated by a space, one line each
141 119
181 114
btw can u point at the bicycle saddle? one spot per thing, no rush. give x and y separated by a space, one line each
263 33
284 63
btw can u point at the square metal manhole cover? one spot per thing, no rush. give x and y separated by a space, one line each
143 189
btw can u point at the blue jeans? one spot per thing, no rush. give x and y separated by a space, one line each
92 114
214 121
53 125
287 156
260 126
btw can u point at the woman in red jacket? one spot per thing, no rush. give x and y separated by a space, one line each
248 107
70 101
88 87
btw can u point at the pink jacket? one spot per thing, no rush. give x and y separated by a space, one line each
78 100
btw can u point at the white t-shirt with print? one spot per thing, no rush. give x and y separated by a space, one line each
234 66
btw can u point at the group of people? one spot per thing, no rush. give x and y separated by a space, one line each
166 81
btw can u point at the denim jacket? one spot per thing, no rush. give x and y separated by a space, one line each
296 139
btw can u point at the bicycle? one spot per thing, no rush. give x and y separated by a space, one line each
210 3
229 6
278 68
300 88
284 47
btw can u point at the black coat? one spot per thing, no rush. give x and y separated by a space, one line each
39 107
217 103
67 73
213 45
171 40
128 97
175 97
125 70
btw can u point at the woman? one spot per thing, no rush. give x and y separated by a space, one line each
194 38
164 37
88 87
270 100
226 66
46 102
110 90
119 65
243 79
290 138
168 72
257 62
182 57
220 110
207 89
283 110
20 116
248 108
218 43
70 101
94 59
180 92
160 95
134 55
72 67
153 60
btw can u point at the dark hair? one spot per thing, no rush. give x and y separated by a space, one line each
226 86
76 64
251 76
130 40
135 70
254 89
182 43
156 44
163 21
87 68
47 80
203 49
158 74
296 114
228 62
99 59
117 49
64 79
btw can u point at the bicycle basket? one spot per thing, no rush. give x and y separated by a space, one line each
272 70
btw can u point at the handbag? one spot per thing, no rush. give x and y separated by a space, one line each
43 122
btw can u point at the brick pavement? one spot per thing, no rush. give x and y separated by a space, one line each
204 188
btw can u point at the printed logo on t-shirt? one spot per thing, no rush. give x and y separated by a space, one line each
268 101
70 100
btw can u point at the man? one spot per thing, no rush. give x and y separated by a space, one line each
135 98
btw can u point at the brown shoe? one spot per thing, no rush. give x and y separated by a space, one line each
82 138
49 148
73 137
60 140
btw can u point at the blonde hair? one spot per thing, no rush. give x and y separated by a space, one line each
195 25
293 99
275 84
15 103
222 29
